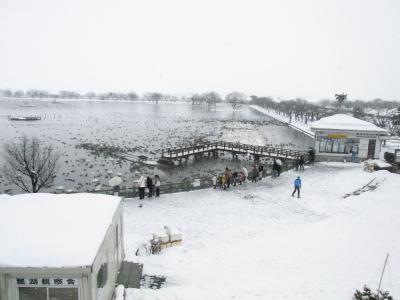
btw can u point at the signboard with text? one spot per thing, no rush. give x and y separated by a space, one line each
47 281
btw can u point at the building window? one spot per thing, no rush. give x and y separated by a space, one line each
43 293
345 146
63 294
102 276
32 293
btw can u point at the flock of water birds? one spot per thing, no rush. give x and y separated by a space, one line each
86 136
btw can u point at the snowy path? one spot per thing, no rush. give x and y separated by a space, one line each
257 242
299 126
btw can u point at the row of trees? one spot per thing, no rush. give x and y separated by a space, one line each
385 114
236 99
130 96
296 109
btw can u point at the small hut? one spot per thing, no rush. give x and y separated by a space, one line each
59 246
342 137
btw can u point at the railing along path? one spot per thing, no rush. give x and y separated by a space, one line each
235 148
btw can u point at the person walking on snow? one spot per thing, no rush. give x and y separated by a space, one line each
297 187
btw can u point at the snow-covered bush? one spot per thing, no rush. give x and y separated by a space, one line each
367 294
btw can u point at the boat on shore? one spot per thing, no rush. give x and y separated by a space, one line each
32 118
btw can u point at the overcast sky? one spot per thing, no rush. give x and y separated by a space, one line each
281 48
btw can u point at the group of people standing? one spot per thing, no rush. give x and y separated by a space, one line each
229 178
276 168
299 163
147 184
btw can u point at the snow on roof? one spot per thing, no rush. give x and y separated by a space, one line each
53 230
345 122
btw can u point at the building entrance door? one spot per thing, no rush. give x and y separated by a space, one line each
371 149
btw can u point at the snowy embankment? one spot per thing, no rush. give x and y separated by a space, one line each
299 126
257 242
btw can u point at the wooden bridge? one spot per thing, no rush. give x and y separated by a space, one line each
234 148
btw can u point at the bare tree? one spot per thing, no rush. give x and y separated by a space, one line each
28 165
211 98
154 97
236 100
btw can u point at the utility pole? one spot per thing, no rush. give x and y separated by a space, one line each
380 281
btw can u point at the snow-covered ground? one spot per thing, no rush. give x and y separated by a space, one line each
257 242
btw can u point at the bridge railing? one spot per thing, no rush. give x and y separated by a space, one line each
229 146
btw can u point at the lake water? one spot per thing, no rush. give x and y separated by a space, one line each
141 128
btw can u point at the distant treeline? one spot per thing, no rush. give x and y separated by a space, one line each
385 114
130 96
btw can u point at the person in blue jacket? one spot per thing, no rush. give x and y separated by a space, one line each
297 187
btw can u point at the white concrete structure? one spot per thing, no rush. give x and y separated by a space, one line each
340 137
60 247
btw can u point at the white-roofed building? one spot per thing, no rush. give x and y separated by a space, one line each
59 246
340 137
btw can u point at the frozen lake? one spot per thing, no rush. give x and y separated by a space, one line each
141 128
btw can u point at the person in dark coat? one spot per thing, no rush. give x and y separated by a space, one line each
302 161
227 177
297 187
234 178
275 167
157 184
254 177
260 171
149 185
311 156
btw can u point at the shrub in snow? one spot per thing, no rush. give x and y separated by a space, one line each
367 294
